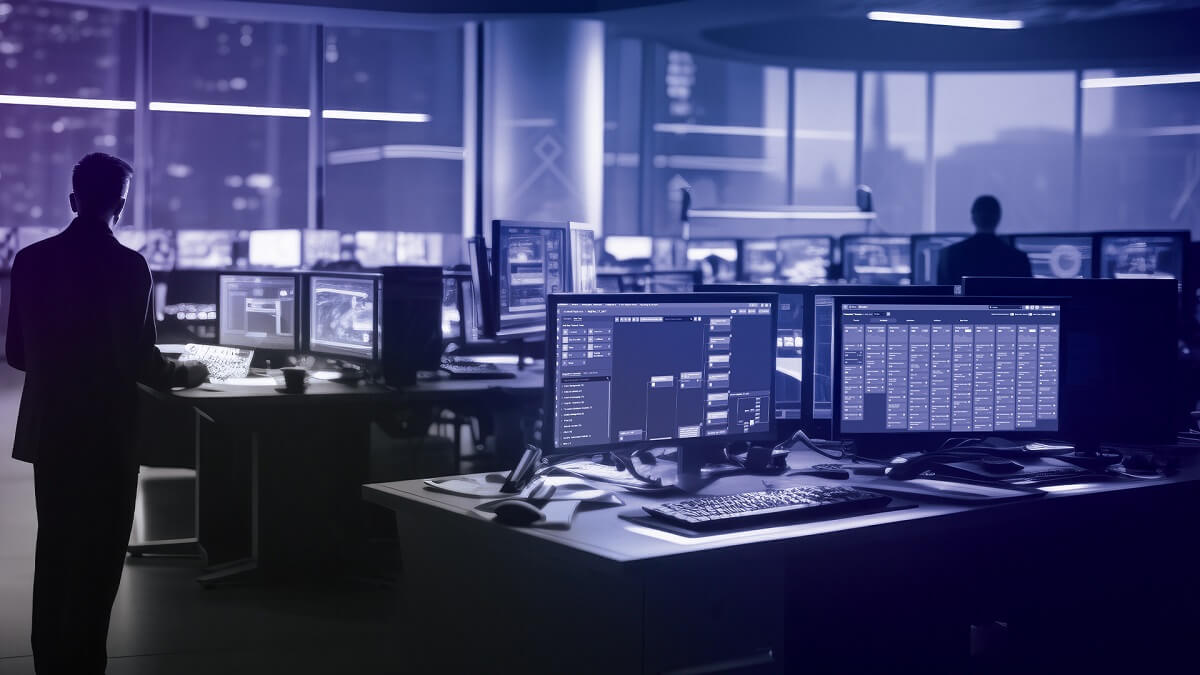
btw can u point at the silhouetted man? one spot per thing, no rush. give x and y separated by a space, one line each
984 254
81 326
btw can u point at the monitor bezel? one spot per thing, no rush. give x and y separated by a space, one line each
847 238
377 347
532 327
899 441
926 236
1011 239
551 369
1183 237
299 335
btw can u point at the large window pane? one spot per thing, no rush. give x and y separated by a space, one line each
719 126
59 50
1141 156
394 175
824 160
222 170
622 135
1010 135
893 162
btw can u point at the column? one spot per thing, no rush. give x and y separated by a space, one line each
983 416
897 377
1005 385
941 357
960 395
918 378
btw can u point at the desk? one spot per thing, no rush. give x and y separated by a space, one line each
893 592
277 477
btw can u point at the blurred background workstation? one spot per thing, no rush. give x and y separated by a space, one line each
690 312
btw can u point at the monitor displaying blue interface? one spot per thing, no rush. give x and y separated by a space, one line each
925 250
529 261
275 248
929 365
870 259
343 315
1131 255
204 249
759 259
419 248
661 369
805 259
1055 256
624 248
257 311
322 246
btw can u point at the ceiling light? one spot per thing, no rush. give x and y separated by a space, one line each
1138 81
261 111
957 21
60 102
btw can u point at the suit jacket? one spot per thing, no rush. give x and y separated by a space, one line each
982 255
81 326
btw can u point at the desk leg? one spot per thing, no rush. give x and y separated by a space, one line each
224 486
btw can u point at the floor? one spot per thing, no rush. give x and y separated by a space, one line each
163 622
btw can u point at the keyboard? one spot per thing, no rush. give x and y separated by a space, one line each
754 508
463 369
223 363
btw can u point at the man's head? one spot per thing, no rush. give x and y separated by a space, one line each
99 185
985 213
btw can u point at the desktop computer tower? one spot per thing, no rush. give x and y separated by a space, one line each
411 322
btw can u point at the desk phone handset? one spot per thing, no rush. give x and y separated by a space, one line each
524 471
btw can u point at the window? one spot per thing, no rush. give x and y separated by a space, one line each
1141 155
53 55
1010 135
213 165
398 163
824 127
721 127
622 135
893 148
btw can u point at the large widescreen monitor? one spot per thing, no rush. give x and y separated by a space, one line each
925 251
876 259
687 370
204 249
805 259
1058 256
276 248
716 258
758 260
1142 255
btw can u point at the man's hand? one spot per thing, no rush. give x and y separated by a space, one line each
190 374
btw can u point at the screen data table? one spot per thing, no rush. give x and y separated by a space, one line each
949 367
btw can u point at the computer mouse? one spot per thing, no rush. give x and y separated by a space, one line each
517 512
1000 465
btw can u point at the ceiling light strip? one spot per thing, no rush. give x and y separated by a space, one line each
210 108
955 21
1138 81
61 102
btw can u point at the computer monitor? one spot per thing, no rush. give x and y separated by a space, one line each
913 371
1142 255
625 248
419 248
1121 376
1058 256
669 253
757 260
343 315
693 371
716 258
925 250
530 260
275 248
8 247
804 260
322 246
375 249
258 310
875 259
204 249
583 258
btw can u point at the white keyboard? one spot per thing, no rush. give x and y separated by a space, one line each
223 363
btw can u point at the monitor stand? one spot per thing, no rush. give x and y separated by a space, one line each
696 467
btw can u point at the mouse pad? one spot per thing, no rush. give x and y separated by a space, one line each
684 531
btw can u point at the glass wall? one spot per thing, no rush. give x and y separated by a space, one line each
824 131
1010 135
893 147
622 135
1141 155
66 89
719 126
399 166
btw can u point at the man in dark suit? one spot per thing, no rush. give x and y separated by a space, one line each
984 254
81 327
